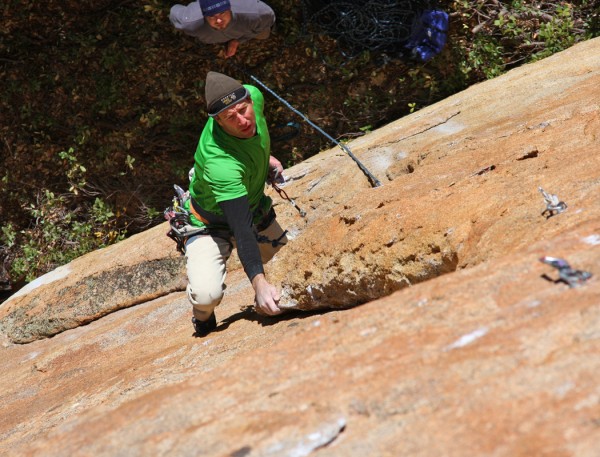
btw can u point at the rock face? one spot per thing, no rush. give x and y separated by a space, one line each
139 269
463 178
465 343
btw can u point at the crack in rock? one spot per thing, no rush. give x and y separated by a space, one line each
425 129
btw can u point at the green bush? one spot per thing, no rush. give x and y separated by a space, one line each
62 228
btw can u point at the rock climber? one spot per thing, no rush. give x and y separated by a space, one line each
231 165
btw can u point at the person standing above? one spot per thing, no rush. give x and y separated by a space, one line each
224 21
231 165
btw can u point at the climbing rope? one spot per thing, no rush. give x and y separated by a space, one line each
374 181
358 25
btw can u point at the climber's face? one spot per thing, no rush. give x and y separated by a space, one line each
219 21
239 120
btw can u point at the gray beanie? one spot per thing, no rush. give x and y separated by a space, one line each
221 92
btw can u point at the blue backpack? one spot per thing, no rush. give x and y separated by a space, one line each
428 36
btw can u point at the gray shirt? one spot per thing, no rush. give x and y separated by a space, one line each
249 19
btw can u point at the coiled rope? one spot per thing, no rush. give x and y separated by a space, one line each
358 25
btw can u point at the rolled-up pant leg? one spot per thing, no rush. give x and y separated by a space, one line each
206 258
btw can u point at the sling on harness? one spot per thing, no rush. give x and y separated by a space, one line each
181 228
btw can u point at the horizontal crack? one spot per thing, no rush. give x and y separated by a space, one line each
425 130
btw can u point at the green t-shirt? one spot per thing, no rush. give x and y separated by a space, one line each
226 167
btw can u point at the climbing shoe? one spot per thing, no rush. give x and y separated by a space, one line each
204 328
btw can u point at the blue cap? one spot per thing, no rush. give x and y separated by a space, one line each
212 7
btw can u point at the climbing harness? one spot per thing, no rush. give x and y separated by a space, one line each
553 204
181 228
567 274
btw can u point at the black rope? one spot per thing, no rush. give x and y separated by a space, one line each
374 181
358 25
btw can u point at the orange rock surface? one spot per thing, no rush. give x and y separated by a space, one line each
464 343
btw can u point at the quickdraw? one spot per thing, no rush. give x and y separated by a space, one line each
566 273
283 194
553 204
